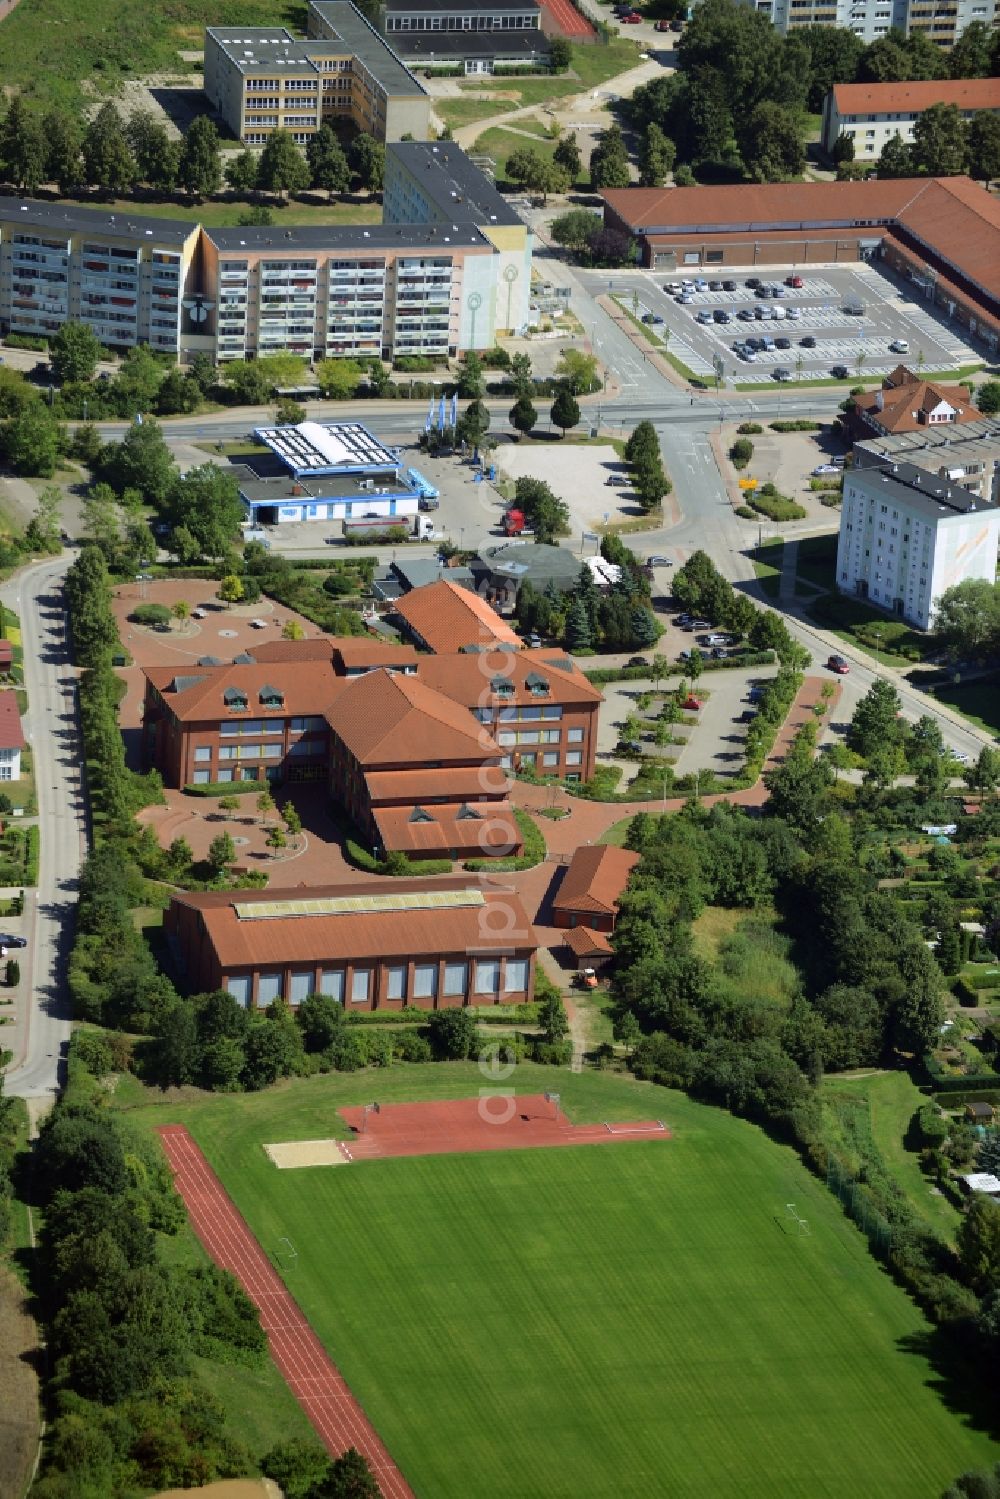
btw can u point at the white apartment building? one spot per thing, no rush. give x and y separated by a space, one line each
943 21
873 113
906 536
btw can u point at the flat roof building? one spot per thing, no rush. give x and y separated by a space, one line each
905 537
872 114
483 36
430 944
942 22
264 78
968 455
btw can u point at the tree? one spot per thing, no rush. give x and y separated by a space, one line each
771 143
896 159
30 440
157 157
205 503
560 54
984 774
350 1477
644 628
940 147
473 424
531 170
707 123
23 147
567 155
657 156
63 162
298 1467
265 805
843 148
199 170
834 53
231 589
471 379
875 725
609 160
988 397
979 1244
338 379
221 854
367 159
740 46
523 416
282 168
545 513
108 162
74 352
577 371
885 60
292 630
578 628
967 619
970 56
276 840
327 162
573 230
565 412
983 144
242 171
453 1034
141 461
552 1019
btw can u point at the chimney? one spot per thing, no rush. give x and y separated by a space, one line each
879 400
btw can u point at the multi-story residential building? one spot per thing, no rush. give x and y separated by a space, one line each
906 536
262 79
941 233
943 21
905 403
480 34
872 114
430 944
125 276
968 455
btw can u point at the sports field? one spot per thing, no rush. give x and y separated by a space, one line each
592 1322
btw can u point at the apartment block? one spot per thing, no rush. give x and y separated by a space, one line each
262 79
126 277
872 114
943 21
432 945
969 456
906 536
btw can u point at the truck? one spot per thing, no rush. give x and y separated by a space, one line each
429 497
415 527
514 522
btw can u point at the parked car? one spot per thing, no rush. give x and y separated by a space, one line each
714 640
782 343
755 694
808 342
703 316
840 372
692 703
633 20
795 281
781 373
652 317
657 561
637 661
747 716
824 468
750 355
715 286
899 346
8 941
752 281
729 286
718 653
960 756
533 642
839 665
794 313
673 287
745 314
700 624
258 624
663 26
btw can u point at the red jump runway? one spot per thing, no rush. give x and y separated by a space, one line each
312 1377
496 1121
569 20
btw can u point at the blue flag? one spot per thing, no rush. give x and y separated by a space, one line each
441 415
454 409
428 424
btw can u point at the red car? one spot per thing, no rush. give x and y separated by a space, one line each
839 665
633 20
692 703
663 25
795 281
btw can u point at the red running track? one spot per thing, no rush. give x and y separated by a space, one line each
568 19
312 1377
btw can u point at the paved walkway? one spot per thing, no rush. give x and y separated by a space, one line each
312 1377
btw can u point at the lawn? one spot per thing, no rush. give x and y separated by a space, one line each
979 701
767 567
226 215
500 143
591 66
893 1099
618 1320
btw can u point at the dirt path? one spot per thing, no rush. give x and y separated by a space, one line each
19 1416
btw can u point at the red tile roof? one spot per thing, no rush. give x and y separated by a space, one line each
11 733
489 828
358 653
316 648
596 876
196 694
386 719
424 785
903 397
448 618
468 678
912 98
376 928
584 942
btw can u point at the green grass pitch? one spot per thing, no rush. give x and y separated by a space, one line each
621 1320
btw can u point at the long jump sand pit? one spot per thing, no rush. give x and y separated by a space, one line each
289 1153
496 1121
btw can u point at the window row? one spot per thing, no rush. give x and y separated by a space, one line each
400 982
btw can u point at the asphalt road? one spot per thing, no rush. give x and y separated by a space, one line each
41 1031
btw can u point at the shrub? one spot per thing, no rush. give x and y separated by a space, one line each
795 424
156 616
777 507
227 788
413 1046
749 429
741 452
745 513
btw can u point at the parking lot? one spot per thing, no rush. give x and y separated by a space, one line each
886 312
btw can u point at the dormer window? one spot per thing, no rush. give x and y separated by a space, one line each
235 700
536 685
502 687
419 814
270 697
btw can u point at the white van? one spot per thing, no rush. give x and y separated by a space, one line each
779 314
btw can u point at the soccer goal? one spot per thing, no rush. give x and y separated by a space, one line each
286 1255
799 1224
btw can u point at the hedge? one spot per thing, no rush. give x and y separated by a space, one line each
744 658
227 788
534 849
942 1082
948 1097
777 507
965 993
797 424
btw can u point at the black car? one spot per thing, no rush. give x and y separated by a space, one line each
761 291
729 286
755 343
782 374
840 372
718 653
715 286
808 342
8 941
637 661
745 315
782 343
752 281
721 317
